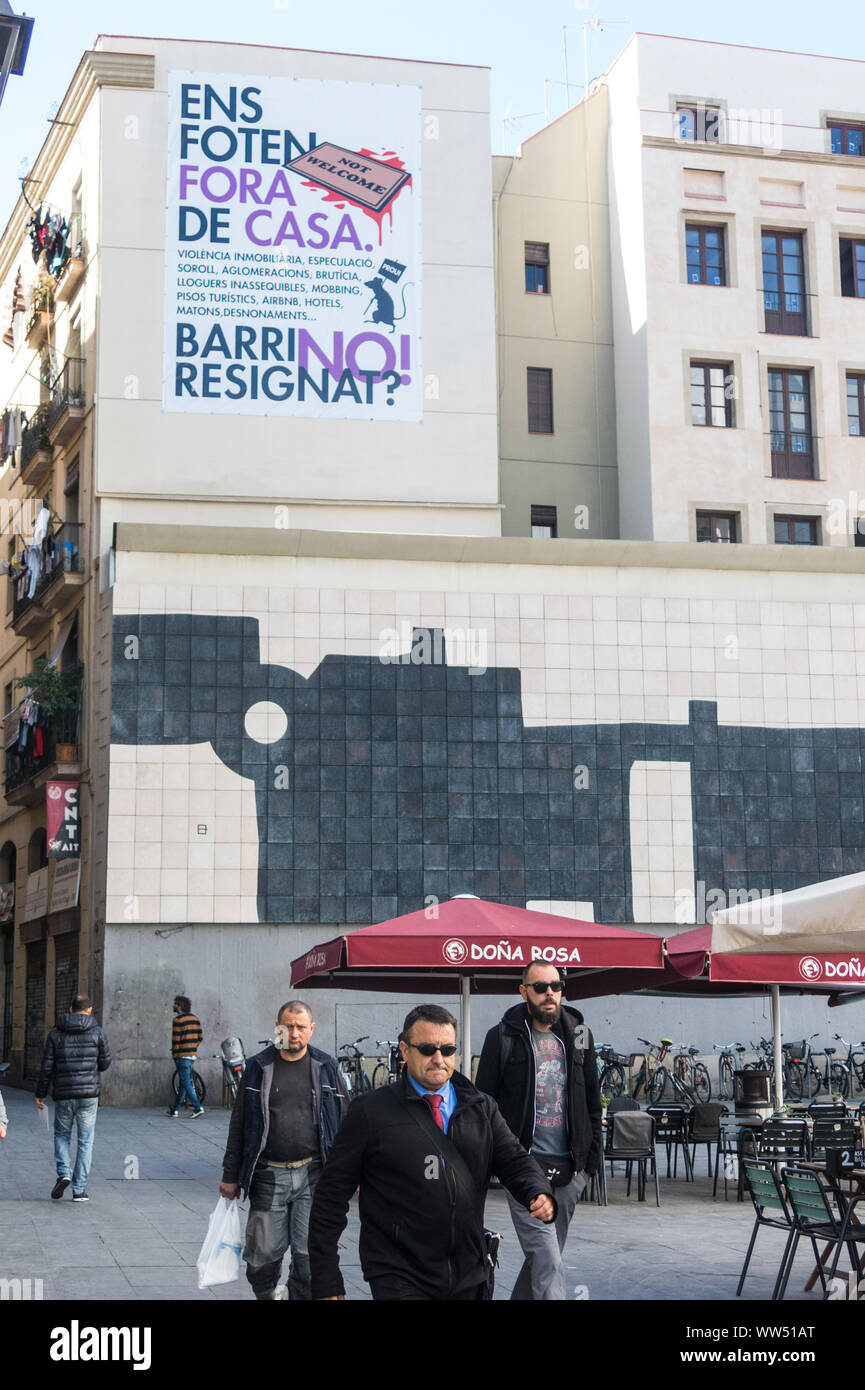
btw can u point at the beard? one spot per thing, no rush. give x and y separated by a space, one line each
543 1015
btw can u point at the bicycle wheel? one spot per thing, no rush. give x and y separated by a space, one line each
381 1076
658 1086
200 1088
702 1084
840 1079
794 1080
612 1082
347 1076
725 1078
363 1081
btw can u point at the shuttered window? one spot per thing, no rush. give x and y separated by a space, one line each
540 399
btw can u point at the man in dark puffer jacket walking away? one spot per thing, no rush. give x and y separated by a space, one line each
76 1052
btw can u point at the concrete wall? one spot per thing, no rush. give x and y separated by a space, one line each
555 191
238 977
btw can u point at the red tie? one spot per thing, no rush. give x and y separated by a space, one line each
435 1104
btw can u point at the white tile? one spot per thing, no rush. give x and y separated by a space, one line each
148 854
200 908
531 606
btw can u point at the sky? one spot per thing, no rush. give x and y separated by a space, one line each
520 42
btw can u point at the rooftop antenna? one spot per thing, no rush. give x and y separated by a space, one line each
595 23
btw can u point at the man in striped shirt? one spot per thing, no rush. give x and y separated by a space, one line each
186 1036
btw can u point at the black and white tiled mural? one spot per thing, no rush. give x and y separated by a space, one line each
243 790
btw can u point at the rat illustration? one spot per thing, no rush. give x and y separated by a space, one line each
383 303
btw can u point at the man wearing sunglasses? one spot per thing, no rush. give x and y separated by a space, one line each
539 1065
423 1152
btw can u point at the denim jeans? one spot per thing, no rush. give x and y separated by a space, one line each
83 1114
184 1075
280 1200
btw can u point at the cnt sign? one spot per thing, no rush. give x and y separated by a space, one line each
62 825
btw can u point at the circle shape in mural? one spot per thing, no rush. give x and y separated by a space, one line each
265 722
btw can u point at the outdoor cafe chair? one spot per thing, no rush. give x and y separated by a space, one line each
671 1130
630 1140
824 1213
827 1110
706 1129
770 1209
779 1141
834 1133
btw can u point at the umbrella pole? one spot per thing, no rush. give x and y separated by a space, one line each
466 1024
775 992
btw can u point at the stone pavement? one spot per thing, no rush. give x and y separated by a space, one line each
154 1181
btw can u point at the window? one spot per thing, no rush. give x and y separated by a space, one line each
718 527
856 403
852 268
846 139
784 283
537 267
700 123
705 255
790 424
544 523
796 530
540 399
710 402
37 856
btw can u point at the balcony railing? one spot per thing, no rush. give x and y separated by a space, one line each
60 554
67 395
34 438
794 455
23 762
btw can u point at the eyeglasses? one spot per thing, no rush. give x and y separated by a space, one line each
541 986
430 1049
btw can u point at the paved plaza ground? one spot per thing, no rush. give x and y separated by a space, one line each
139 1236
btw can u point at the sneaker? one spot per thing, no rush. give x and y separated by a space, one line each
59 1187
80 1197
195 1114
172 1114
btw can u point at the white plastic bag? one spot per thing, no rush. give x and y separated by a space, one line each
44 1116
219 1261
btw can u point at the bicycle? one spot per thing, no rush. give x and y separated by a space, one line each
389 1072
855 1062
692 1074
652 1077
611 1071
351 1066
835 1077
727 1068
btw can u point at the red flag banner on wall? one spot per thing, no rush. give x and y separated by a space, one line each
62 826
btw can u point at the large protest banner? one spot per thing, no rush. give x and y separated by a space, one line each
293 264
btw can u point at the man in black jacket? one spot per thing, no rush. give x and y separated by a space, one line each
289 1106
423 1152
539 1065
76 1052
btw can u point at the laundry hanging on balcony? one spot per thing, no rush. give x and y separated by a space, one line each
49 234
11 425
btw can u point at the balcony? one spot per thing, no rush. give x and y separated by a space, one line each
73 269
67 408
60 576
55 757
794 455
37 455
41 317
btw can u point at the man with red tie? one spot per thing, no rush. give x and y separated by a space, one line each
423 1152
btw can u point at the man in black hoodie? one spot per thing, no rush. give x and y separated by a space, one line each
539 1065
76 1052
423 1152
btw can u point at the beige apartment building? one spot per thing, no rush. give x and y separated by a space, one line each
721 311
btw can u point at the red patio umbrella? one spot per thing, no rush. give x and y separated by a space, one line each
481 942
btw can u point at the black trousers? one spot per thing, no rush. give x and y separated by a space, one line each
395 1286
